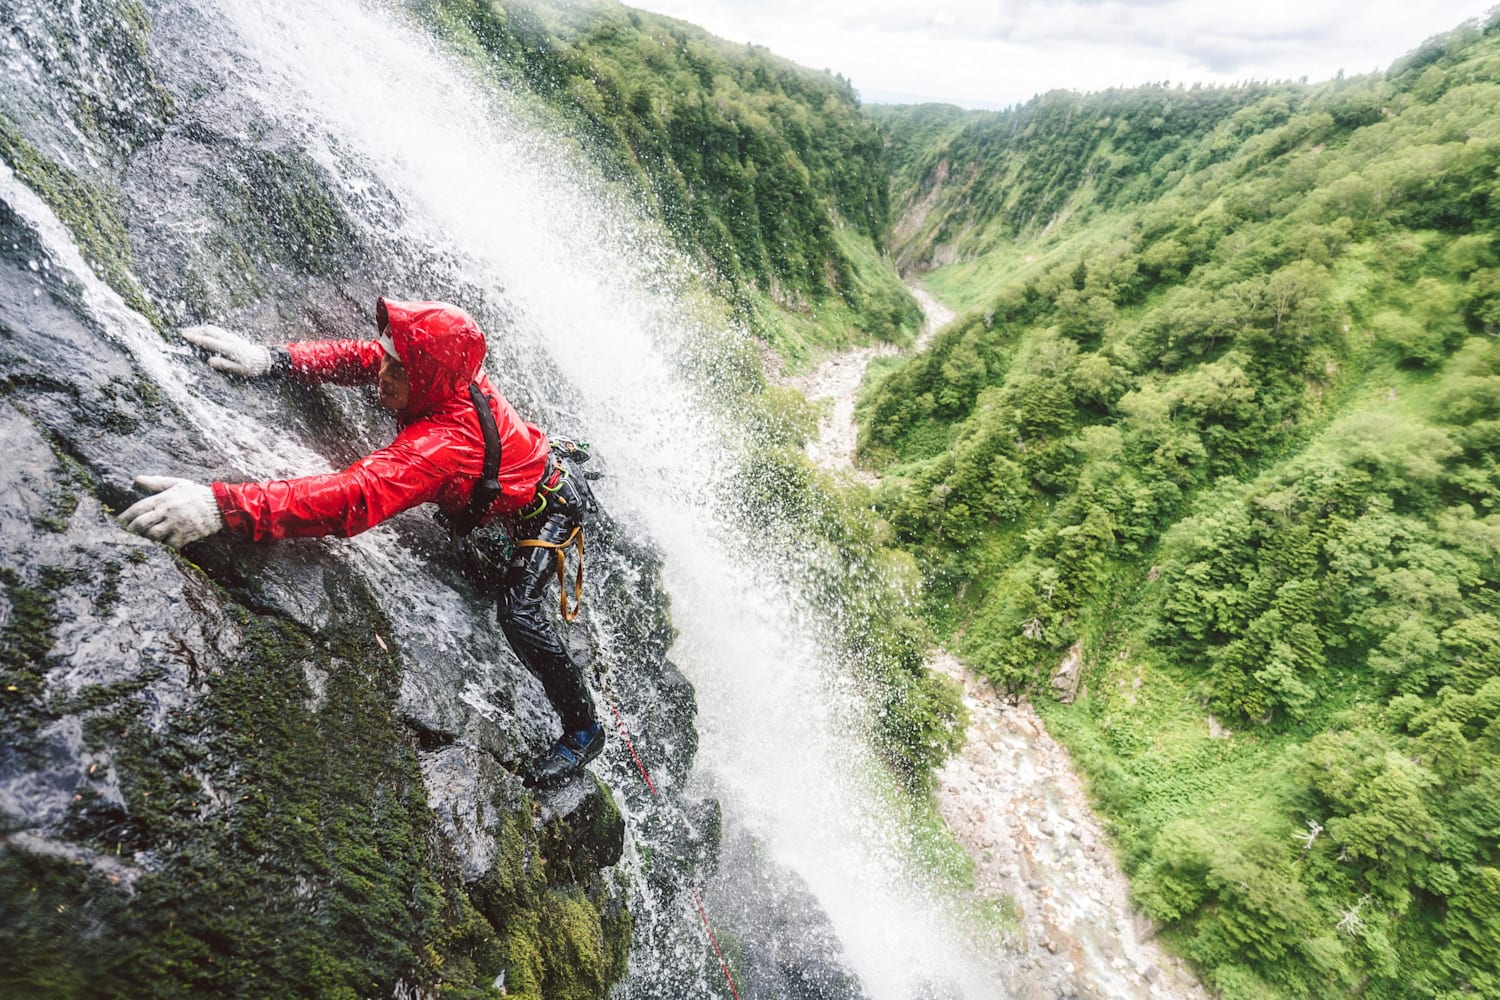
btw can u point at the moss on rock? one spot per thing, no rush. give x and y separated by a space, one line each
290 192
564 935
274 850
590 837
25 639
258 845
90 212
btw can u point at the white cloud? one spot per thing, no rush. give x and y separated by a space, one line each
1004 51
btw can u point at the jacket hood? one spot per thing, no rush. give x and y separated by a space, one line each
440 345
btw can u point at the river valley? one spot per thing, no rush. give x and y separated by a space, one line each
1011 796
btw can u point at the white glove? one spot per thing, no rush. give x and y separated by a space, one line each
182 511
232 353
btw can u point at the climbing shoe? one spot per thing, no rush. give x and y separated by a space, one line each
567 756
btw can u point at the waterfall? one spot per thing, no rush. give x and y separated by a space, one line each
437 165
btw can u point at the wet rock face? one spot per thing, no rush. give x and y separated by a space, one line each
788 947
582 830
193 791
165 777
71 639
274 769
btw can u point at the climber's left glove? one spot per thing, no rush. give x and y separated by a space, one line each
231 352
181 511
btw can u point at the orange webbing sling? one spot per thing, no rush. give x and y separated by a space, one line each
560 548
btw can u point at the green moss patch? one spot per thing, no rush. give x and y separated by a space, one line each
90 212
267 849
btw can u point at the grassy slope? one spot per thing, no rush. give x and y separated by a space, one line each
1284 518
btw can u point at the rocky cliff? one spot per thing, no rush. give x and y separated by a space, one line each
284 769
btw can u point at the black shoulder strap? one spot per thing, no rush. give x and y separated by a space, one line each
488 486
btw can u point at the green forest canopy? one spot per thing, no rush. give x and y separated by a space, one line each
1226 413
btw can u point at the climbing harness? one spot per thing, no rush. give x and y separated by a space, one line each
566 455
546 491
485 549
560 548
562 463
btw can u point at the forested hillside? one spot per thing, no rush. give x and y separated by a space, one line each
971 180
764 168
1225 414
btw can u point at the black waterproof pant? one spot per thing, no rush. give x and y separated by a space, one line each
527 623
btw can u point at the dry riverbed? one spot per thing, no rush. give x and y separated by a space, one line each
1011 796
835 384
1013 800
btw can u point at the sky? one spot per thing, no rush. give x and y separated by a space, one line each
1002 52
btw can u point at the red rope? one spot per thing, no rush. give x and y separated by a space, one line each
715 942
637 757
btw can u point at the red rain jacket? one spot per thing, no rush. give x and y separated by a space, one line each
438 454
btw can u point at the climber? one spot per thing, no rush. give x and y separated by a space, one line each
496 481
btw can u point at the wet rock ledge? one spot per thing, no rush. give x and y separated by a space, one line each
198 796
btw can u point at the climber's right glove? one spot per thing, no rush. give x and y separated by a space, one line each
232 353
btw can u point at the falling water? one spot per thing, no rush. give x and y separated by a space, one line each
433 160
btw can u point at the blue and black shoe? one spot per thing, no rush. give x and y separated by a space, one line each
567 756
